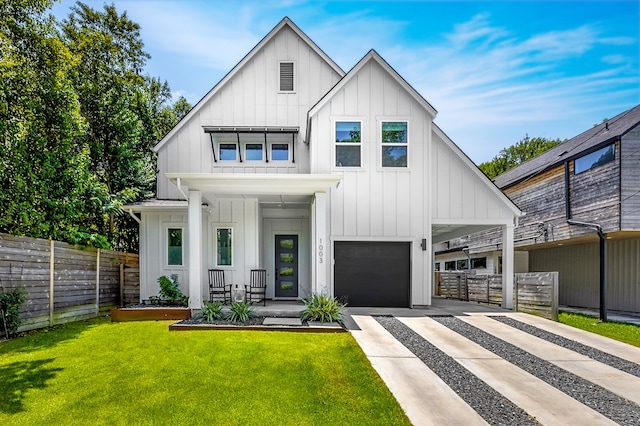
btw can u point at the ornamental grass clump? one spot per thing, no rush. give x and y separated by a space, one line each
241 312
323 308
212 311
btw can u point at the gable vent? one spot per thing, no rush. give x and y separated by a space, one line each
286 76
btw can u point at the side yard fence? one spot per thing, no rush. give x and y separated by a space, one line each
534 292
64 282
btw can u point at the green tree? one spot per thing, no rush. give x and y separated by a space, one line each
46 184
516 154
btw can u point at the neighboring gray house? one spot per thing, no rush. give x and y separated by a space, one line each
334 182
593 178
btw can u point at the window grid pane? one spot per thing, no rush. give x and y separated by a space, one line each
224 246
174 246
595 159
348 138
394 143
228 151
253 151
280 151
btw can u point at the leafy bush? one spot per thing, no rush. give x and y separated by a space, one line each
170 290
212 310
10 305
241 311
321 307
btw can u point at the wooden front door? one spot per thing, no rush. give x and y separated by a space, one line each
286 273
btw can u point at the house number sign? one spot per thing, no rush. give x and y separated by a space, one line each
320 251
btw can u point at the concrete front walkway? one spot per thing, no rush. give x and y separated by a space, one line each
427 400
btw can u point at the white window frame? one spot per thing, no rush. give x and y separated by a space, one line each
280 143
215 242
246 157
167 227
387 144
295 68
334 123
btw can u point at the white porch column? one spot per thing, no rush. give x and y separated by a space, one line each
507 265
195 249
320 241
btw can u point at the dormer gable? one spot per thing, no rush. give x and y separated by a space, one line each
287 74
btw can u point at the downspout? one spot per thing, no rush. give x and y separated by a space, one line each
186 197
602 243
134 216
603 264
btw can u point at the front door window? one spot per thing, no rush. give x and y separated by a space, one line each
286 273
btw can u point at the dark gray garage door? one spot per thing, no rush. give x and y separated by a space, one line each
373 273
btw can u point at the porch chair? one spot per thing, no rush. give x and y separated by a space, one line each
256 291
218 290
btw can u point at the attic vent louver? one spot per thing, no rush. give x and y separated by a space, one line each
286 76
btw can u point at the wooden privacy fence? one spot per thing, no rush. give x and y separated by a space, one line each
64 282
534 292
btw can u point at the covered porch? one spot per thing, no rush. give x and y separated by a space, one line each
256 214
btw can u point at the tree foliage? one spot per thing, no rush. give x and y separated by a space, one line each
516 154
78 120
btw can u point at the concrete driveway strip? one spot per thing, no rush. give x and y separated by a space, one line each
541 400
618 382
424 397
605 344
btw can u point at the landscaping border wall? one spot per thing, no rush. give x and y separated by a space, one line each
64 282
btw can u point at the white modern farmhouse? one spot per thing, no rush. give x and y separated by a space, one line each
336 183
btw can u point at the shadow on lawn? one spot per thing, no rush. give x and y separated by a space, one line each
44 338
18 378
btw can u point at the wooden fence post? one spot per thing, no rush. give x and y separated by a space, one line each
51 279
122 284
98 282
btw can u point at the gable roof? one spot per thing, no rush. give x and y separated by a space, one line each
285 22
373 56
588 141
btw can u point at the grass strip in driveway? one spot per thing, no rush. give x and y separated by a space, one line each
623 332
98 372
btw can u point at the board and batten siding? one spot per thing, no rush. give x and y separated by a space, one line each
251 98
153 249
459 195
630 181
578 267
375 203
242 215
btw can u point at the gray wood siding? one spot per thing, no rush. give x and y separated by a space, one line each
251 98
579 273
630 190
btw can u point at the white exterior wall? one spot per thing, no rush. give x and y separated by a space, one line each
375 203
462 197
153 251
251 98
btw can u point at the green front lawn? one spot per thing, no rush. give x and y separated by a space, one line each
628 333
137 373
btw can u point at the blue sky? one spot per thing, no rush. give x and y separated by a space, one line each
495 71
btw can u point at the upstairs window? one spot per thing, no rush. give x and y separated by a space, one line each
287 77
227 151
280 152
253 152
348 143
595 159
450 265
394 144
